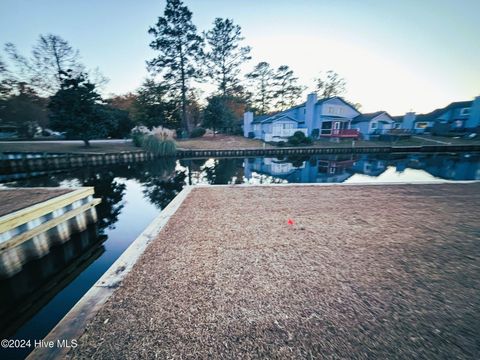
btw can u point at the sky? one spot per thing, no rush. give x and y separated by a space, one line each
396 56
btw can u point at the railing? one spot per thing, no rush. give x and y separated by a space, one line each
351 133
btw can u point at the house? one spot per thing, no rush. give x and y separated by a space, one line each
458 116
375 123
330 117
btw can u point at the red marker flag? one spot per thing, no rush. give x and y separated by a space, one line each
290 222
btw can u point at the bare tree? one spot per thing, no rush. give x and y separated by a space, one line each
50 57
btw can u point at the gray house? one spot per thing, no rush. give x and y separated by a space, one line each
457 116
328 118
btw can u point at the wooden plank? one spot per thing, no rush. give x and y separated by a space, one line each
47 225
17 218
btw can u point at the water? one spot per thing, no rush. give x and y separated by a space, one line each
133 195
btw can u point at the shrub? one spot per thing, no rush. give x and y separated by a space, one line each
137 138
281 143
299 138
197 132
159 146
251 134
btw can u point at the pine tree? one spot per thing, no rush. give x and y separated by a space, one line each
225 55
287 90
262 91
180 51
330 85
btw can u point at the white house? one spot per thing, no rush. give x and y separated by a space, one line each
330 117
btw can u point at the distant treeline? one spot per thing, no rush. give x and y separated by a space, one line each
52 89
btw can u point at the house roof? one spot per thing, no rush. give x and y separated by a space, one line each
278 117
432 116
370 116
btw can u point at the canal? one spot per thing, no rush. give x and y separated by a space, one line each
33 301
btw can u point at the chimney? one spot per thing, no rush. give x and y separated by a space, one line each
247 123
473 120
408 120
310 111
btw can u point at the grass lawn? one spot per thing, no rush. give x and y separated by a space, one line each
67 147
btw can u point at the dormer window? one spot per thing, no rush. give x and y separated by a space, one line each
465 111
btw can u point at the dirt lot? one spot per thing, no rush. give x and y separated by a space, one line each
363 272
15 199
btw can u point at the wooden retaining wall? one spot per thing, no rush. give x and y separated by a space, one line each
13 163
314 151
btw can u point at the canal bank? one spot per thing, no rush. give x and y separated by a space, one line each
20 162
292 271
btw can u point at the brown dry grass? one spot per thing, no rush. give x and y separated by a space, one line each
365 272
70 147
15 199
221 142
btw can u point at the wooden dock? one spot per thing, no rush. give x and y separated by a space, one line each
32 220
291 271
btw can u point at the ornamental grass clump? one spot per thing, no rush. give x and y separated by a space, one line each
159 141
159 146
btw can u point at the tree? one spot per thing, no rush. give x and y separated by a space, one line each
154 106
24 109
76 109
330 85
217 114
287 90
51 56
226 55
262 92
180 51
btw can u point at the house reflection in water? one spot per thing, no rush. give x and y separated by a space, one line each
388 167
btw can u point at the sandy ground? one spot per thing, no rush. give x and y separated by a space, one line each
364 272
15 199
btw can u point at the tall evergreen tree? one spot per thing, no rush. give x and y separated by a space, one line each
225 55
262 91
76 109
180 51
218 114
330 85
287 90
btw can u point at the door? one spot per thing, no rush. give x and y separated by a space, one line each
336 127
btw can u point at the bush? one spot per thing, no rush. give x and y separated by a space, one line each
137 139
281 143
299 138
315 133
159 147
197 132
251 134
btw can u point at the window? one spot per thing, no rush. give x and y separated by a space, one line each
465 111
421 125
373 125
256 127
331 110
